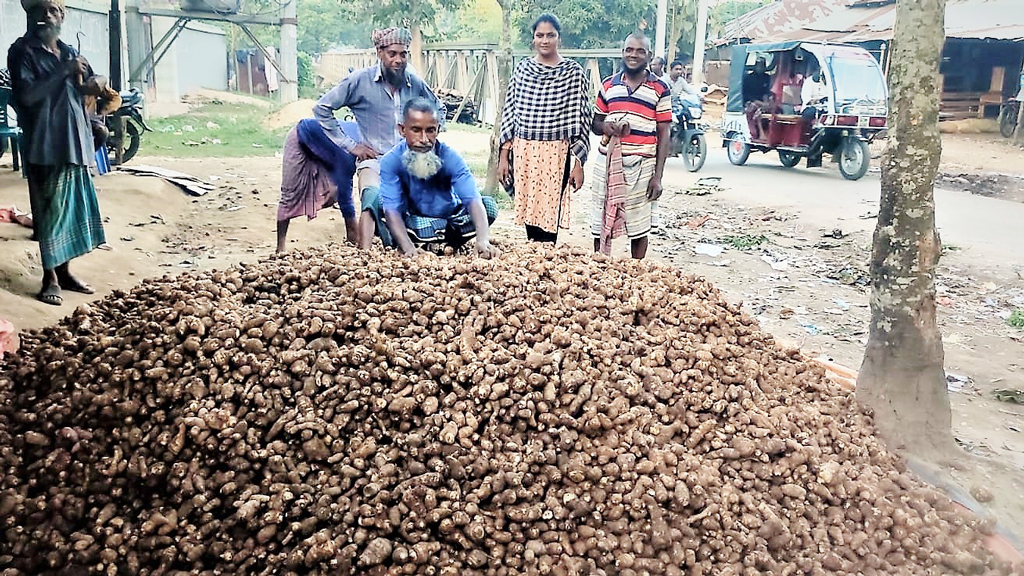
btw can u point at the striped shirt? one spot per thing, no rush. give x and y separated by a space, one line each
643 108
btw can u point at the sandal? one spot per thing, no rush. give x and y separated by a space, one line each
50 295
75 285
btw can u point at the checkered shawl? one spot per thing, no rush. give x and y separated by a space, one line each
549 103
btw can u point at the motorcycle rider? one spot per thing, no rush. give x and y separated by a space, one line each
682 89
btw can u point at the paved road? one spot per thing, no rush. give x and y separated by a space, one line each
992 229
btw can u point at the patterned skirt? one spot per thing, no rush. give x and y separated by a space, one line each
65 212
454 229
541 183
306 184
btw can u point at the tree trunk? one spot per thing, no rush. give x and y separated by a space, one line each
504 74
673 37
902 378
416 49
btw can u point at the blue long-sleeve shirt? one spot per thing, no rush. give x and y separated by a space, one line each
376 108
439 196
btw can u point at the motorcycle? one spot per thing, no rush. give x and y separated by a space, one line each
134 125
688 132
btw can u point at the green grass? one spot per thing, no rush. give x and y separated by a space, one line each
221 130
1016 319
218 130
746 241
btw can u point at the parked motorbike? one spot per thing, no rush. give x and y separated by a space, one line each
134 125
688 132
1008 118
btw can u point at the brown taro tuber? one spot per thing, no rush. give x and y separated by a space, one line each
546 412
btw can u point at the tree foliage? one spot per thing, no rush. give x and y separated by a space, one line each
477 20
591 23
326 24
731 9
433 17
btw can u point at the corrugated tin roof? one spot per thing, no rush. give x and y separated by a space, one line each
778 17
979 19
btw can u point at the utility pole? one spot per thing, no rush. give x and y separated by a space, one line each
289 52
660 39
114 23
698 46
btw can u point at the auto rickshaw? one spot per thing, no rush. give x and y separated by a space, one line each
849 113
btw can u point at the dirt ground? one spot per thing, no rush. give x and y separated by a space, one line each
805 282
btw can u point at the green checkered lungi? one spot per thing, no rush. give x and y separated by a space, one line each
65 212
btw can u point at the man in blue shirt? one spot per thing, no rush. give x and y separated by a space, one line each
426 190
375 96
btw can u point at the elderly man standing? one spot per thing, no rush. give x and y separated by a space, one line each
634 116
49 79
375 95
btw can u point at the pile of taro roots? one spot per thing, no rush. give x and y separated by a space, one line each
548 412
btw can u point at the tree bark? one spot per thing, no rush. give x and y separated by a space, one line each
416 48
673 37
902 378
504 74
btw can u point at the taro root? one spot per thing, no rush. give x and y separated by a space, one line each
547 412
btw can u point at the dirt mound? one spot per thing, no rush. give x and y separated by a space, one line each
549 412
969 126
290 114
205 96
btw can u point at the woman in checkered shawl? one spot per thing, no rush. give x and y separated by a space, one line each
545 134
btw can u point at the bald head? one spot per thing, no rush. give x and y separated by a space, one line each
638 37
636 54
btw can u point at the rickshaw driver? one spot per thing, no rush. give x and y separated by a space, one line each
812 94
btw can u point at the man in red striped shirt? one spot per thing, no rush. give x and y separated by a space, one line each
634 115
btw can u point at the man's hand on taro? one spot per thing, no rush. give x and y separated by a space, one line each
487 250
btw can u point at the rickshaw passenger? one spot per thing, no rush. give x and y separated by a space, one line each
757 95
757 84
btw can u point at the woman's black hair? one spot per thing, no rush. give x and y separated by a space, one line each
550 19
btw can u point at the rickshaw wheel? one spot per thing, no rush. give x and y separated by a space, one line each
738 152
789 159
854 158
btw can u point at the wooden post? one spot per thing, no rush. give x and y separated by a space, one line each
595 72
444 70
431 70
466 94
462 83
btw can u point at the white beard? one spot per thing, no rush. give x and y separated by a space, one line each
422 165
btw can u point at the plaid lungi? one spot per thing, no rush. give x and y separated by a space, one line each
65 212
456 228
637 172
